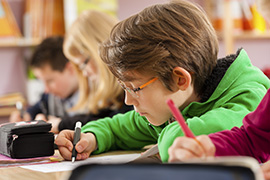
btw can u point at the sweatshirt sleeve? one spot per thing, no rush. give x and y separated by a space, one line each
128 131
252 139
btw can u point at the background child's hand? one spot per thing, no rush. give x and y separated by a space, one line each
51 119
184 148
84 147
41 117
15 117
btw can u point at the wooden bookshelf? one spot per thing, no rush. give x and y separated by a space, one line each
228 33
247 35
252 35
7 111
18 42
8 103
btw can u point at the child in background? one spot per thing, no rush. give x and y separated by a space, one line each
100 94
169 51
59 76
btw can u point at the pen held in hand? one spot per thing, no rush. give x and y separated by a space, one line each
19 106
76 139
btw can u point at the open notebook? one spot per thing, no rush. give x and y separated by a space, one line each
224 168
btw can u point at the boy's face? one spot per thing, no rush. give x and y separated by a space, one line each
151 100
61 84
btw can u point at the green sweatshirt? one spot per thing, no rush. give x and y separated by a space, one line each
238 93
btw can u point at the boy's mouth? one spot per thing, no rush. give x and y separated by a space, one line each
142 113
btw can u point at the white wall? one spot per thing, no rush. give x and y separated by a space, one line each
130 7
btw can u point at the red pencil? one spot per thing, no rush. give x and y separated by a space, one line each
178 116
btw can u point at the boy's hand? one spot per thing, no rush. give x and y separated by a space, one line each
184 148
15 117
84 147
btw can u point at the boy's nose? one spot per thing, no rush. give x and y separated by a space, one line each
129 99
47 89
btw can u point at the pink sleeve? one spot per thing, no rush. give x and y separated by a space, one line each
252 139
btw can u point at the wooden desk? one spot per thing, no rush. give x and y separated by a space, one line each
18 173
25 174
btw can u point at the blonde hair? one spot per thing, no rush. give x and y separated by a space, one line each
85 35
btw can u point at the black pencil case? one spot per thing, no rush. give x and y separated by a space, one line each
26 139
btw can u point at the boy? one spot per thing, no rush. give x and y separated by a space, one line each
169 51
60 80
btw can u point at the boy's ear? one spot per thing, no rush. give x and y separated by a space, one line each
182 78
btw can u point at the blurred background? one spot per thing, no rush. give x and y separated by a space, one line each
24 23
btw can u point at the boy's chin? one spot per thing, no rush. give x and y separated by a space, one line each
152 122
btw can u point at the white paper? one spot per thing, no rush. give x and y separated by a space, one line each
68 165
150 152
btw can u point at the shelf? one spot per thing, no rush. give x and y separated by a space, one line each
18 42
6 111
248 35
252 35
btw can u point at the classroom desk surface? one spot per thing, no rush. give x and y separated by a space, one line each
18 173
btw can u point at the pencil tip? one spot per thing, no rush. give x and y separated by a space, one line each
73 160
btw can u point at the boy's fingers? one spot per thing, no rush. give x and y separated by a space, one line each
64 139
81 146
85 144
207 145
181 155
190 145
65 153
82 156
194 147
184 148
84 147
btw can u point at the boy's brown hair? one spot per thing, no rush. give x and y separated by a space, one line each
162 37
50 52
